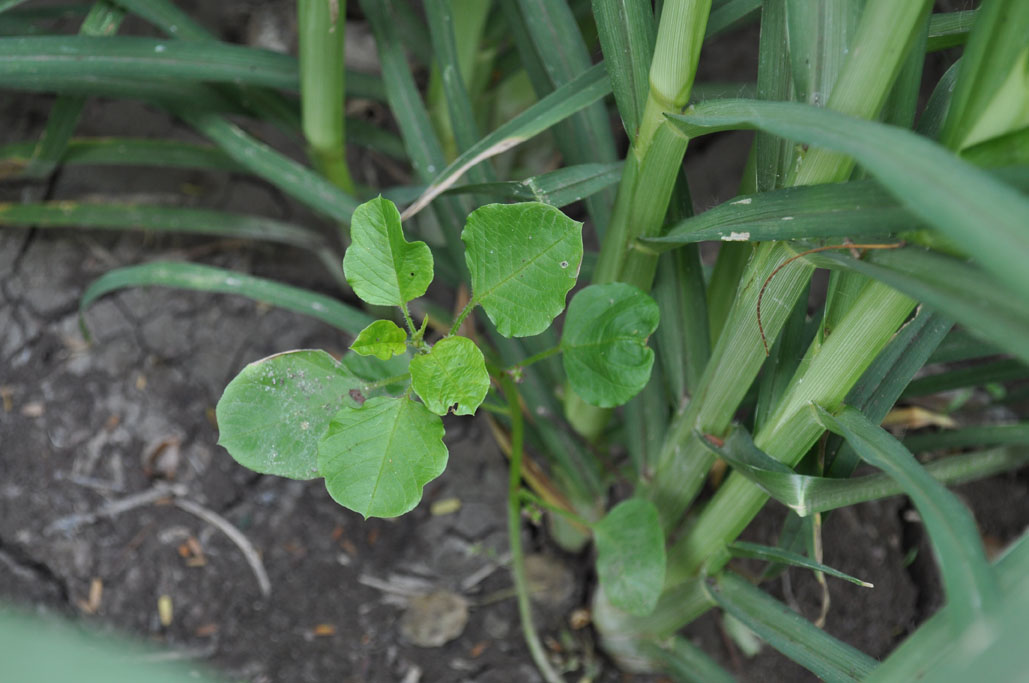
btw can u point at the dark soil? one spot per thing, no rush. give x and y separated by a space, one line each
83 426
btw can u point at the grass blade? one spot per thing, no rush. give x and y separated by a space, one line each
554 36
584 90
627 34
209 279
126 152
937 187
729 15
103 19
942 650
687 662
146 58
949 29
987 309
993 60
557 188
857 208
807 495
755 551
788 632
292 178
1007 370
971 586
112 216
992 435
960 345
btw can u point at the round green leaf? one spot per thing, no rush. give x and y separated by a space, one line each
523 260
453 372
382 339
383 268
631 556
271 416
606 357
377 457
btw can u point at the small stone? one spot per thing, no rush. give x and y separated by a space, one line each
434 619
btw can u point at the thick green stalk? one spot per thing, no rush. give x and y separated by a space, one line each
650 171
886 34
320 27
826 376
737 357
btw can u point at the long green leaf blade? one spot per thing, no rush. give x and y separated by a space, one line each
146 58
971 586
986 308
557 188
627 34
949 194
584 90
788 632
278 169
209 279
756 551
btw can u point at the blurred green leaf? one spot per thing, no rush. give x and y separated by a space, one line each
631 556
272 415
604 342
376 457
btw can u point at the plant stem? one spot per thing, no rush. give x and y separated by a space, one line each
468 308
320 28
650 172
514 532
531 497
542 355
387 381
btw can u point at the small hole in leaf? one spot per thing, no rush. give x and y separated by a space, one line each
564 264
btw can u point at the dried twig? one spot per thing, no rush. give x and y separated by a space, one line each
235 535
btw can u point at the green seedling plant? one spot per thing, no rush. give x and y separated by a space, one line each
674 363
374 430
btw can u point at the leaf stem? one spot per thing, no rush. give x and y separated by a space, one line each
535 358
531 497
514 509
386 382
468 307
412 330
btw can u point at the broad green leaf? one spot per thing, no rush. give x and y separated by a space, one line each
631 556
382 339
452 374
788 632
523 259
971 586
381 266
755 551
209 279
953 196
606 356
272 415
377 457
